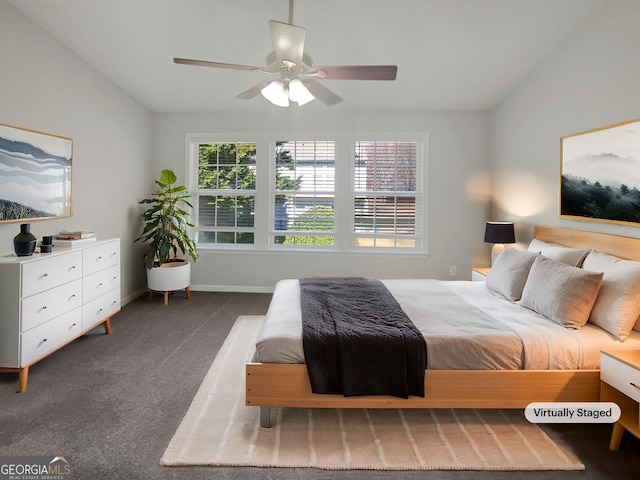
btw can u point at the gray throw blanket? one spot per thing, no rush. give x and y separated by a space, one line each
358 341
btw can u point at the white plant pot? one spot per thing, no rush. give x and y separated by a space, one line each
169 277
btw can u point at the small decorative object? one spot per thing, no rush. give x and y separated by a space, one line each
47 244
499 233
25 242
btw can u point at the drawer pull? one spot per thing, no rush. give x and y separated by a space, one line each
634 385
45 274
44 340
98 259
100 284
44 307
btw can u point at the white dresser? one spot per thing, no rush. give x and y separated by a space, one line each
50 299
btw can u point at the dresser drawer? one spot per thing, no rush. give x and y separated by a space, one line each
50 272
47 337
100 283
100 308
42 307
620 376
100 257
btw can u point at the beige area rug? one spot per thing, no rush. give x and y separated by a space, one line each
219 430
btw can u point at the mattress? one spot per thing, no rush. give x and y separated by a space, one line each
466 327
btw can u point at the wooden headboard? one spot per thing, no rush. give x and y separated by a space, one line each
623 247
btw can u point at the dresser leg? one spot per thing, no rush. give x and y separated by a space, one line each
107 326
23 375
166 298
188 293
616 436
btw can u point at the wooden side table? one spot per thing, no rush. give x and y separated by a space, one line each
620 383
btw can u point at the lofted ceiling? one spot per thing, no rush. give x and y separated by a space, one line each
451 54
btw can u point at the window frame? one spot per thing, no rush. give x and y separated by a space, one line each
273 192
192 169
417 194
344 189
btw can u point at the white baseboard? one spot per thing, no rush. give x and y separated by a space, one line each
231 288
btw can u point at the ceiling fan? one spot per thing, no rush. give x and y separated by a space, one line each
296 78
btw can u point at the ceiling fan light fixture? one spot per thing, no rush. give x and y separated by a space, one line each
299 93
276 94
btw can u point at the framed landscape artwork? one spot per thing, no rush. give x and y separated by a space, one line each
600 174
35 175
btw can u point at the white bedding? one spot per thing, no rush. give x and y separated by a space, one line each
483 331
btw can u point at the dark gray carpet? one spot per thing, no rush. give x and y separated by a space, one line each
110 404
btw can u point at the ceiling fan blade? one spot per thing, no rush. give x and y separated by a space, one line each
321 92
356 72
288 41
253 91
204 63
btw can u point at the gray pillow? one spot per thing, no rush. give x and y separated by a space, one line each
560 292
509 272
618 304
568 255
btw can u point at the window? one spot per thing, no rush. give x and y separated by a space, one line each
325 192
304 194
225 194
385 194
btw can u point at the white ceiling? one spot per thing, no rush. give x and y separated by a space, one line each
451 54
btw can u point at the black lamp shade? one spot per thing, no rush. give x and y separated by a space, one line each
499 232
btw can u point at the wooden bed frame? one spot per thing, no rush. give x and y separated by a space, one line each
287 385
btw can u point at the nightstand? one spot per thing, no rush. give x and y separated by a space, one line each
479 274
620 383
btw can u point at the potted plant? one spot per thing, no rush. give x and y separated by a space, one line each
165 230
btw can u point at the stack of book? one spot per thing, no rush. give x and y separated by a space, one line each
74 239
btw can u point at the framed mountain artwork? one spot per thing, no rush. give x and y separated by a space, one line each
600 174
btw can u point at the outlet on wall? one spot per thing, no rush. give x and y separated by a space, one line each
452 271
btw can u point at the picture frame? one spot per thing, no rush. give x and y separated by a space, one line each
35 175
600 174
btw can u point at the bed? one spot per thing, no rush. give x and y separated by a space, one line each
500 377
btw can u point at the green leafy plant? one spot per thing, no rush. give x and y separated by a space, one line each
166 222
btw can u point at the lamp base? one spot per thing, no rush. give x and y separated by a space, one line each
497 249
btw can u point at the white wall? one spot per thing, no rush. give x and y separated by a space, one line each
46 87
592 81
456 181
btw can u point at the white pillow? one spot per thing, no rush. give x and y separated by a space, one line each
560 292
618 304
568 255
509 272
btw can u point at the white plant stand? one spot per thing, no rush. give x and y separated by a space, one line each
168 278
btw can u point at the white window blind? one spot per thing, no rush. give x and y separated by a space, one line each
225 194
386 194
303 194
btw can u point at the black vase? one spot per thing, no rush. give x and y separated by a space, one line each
25 242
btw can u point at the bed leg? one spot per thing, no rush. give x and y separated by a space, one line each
265 417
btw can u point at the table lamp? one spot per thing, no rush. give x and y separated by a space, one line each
499 233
